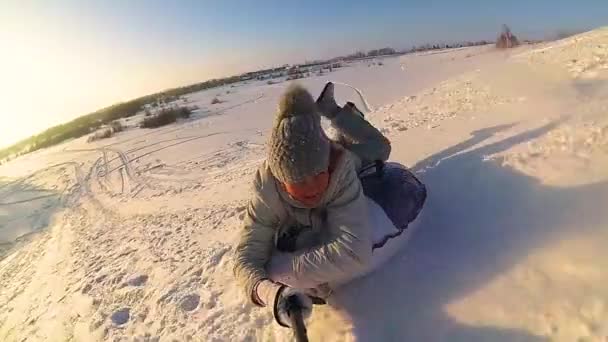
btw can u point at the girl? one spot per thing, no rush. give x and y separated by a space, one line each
308 226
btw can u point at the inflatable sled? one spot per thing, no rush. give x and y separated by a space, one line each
395 198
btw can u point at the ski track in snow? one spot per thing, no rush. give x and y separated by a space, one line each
513 147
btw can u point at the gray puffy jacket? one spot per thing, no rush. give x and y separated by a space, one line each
335 236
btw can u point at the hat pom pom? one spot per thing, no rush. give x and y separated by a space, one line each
296 101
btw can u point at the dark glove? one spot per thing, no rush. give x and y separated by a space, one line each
350 107
278 296
283 302
327 103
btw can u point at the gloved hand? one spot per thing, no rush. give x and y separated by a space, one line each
276 296
350 108
327 103
282 305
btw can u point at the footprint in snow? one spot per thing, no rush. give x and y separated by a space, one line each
100 278
121 316
137 280
86 289
190 302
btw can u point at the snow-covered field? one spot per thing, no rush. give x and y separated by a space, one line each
513 147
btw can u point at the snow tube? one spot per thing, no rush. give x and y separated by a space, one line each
395 198
397 191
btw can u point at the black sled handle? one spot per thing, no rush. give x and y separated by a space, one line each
297 321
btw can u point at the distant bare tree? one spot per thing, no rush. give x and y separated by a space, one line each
506 39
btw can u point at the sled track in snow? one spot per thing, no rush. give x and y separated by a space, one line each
78 176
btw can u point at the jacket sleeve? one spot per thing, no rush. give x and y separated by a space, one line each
364 140
264 214
344 256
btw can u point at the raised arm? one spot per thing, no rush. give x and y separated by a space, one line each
357 135
363 139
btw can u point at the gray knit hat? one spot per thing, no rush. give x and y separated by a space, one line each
298 146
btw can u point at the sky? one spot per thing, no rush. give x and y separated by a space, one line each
61 59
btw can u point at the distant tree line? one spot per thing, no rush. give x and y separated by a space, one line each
88 123
75 128
387 51
440 46
371 53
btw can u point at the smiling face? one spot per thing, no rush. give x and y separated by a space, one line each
310 191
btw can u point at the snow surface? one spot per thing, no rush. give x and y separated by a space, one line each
513 147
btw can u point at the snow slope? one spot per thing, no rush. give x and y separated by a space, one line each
513 147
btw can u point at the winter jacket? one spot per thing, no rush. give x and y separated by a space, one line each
334 239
